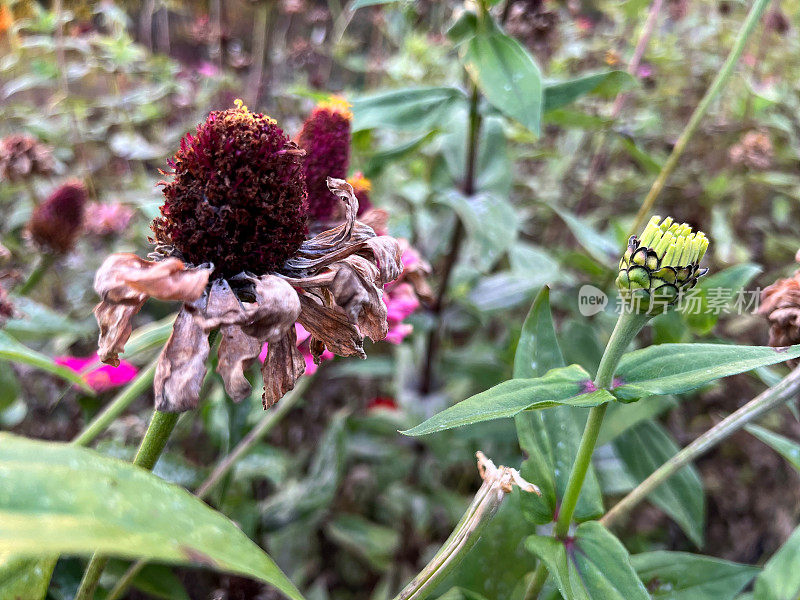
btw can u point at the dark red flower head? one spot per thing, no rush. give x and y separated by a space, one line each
237 195
361 188
56 222
325 137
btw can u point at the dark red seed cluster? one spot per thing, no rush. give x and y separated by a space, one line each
56 223
326 139
237 195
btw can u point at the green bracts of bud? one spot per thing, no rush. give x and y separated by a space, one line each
660 264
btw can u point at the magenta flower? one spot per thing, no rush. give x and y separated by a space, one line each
102 377
107 219
303 345
401 302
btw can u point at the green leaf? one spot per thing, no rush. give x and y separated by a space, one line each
788 449
12 350
537 349
507 75
593 565
25 578
376 544
410 109
683 576
61 499
780 579
609 84
464 28
558 387
600 246
9 386
549 437
646 447
490 220
356 4
379 160
677 368
621 417
40 322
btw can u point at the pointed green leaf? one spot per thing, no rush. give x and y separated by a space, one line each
788 449
609 84
12 350
593 565
646 447
551 437
61 499
718 292
409 109
677 368
780 579
507 75
683 576
558 387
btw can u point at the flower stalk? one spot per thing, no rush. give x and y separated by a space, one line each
498 482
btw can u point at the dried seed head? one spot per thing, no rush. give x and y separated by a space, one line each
23 156
780 304
56 222
325 137
660 263
237 194
6 307
361 188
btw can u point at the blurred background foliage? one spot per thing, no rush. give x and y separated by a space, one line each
347 506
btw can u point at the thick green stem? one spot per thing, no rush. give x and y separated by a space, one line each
114 408
711 95
628 325
153 443
767 400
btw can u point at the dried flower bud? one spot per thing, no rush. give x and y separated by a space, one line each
361 188
660 264
780 304
56 223
754 150
325 137
22 156
237 194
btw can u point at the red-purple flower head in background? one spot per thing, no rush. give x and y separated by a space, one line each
56 223
325 137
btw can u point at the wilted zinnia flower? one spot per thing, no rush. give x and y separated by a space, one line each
56 223
660 264
325 137
23 156
234 216
101 378
754 150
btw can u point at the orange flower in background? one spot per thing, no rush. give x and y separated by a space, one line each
6 18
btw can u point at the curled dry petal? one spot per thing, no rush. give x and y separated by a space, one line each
245 328
181 366
283 366
357 290
124 281
331 326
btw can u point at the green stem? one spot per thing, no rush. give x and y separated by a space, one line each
153 443
710 96
44 264
628 325
767 400
114 408
536 583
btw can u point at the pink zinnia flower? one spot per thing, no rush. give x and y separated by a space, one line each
102 377
401 302
107 219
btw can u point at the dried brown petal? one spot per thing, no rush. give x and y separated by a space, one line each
331 326
123 277
354 289
283 366
181 366
267 320
114 320
780 303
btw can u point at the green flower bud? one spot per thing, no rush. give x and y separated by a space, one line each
660 264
